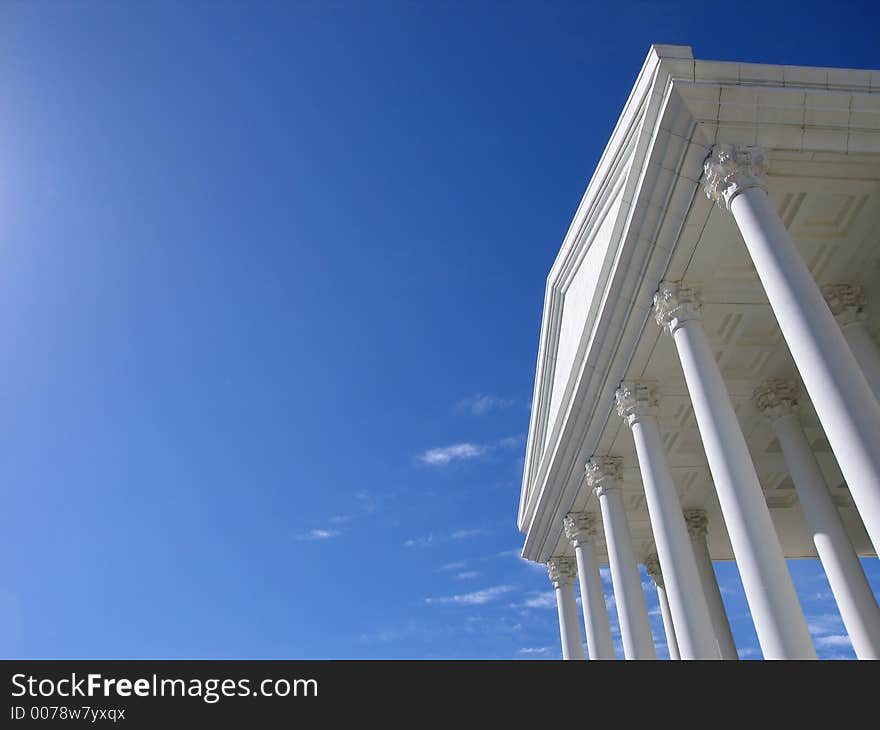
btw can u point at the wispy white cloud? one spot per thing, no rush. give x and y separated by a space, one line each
826 623
535 650
401 632
480 405
465 451
517 553
456 535
748 651
829 634
467 575
833 641
476 598
443 455
327 533
370 501
383 635
457 565
539 567
546 599
424 541
319 535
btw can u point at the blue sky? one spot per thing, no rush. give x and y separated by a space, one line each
262 266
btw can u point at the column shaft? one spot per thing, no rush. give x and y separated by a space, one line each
845 403
635 627
712 592
596 623
779 621
858 607
668 626
562 572
569 631
866 352
690 613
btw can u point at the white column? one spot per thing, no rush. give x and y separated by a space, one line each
603 475
779 621
652 565
845 403
847 303
697 523
637 405
858 607
580 528
562 571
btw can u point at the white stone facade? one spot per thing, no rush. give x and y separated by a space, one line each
708 371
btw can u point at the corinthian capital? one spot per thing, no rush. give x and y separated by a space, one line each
636 399
579 527
675 304
731 169
697 523
846 302
652 565
776 398
603 473
562 570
